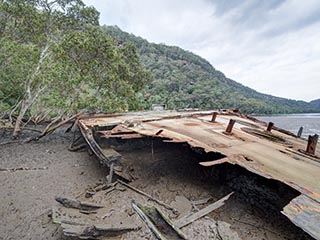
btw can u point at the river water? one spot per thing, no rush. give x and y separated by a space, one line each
292 122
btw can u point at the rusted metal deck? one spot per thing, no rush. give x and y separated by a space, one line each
275 154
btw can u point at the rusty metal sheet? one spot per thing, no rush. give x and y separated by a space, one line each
305 213
101 120
249 146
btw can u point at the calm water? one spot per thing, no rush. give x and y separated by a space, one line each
292 122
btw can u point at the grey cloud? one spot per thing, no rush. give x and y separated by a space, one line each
269 45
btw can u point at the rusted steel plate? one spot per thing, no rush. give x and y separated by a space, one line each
265 157
305 213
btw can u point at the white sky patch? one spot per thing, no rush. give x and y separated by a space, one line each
270 46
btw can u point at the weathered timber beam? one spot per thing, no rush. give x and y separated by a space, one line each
184 221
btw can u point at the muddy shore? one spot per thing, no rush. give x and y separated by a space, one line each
163 170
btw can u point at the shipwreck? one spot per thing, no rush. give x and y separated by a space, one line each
225 137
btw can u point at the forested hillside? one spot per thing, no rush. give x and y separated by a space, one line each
185 80
316 103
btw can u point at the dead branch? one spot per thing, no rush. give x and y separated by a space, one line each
41 117
23 128
50 129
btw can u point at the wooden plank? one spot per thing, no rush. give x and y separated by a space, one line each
160 225
184 221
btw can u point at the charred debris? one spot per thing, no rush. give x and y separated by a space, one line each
237 155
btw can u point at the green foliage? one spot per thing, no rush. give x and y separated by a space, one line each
54 56
185 80
95 73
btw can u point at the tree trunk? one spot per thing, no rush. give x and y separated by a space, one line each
28 100
24 107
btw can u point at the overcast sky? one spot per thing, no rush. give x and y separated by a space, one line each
272 46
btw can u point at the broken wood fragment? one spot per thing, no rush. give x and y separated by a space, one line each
94 231
71 203
159 224
148 196
184 221
109 190
89 194
88 212
201 201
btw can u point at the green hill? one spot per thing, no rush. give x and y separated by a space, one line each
315 103
182 79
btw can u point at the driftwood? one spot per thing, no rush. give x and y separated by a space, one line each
149 196
184 221
71 203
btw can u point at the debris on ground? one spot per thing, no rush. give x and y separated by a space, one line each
104 216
